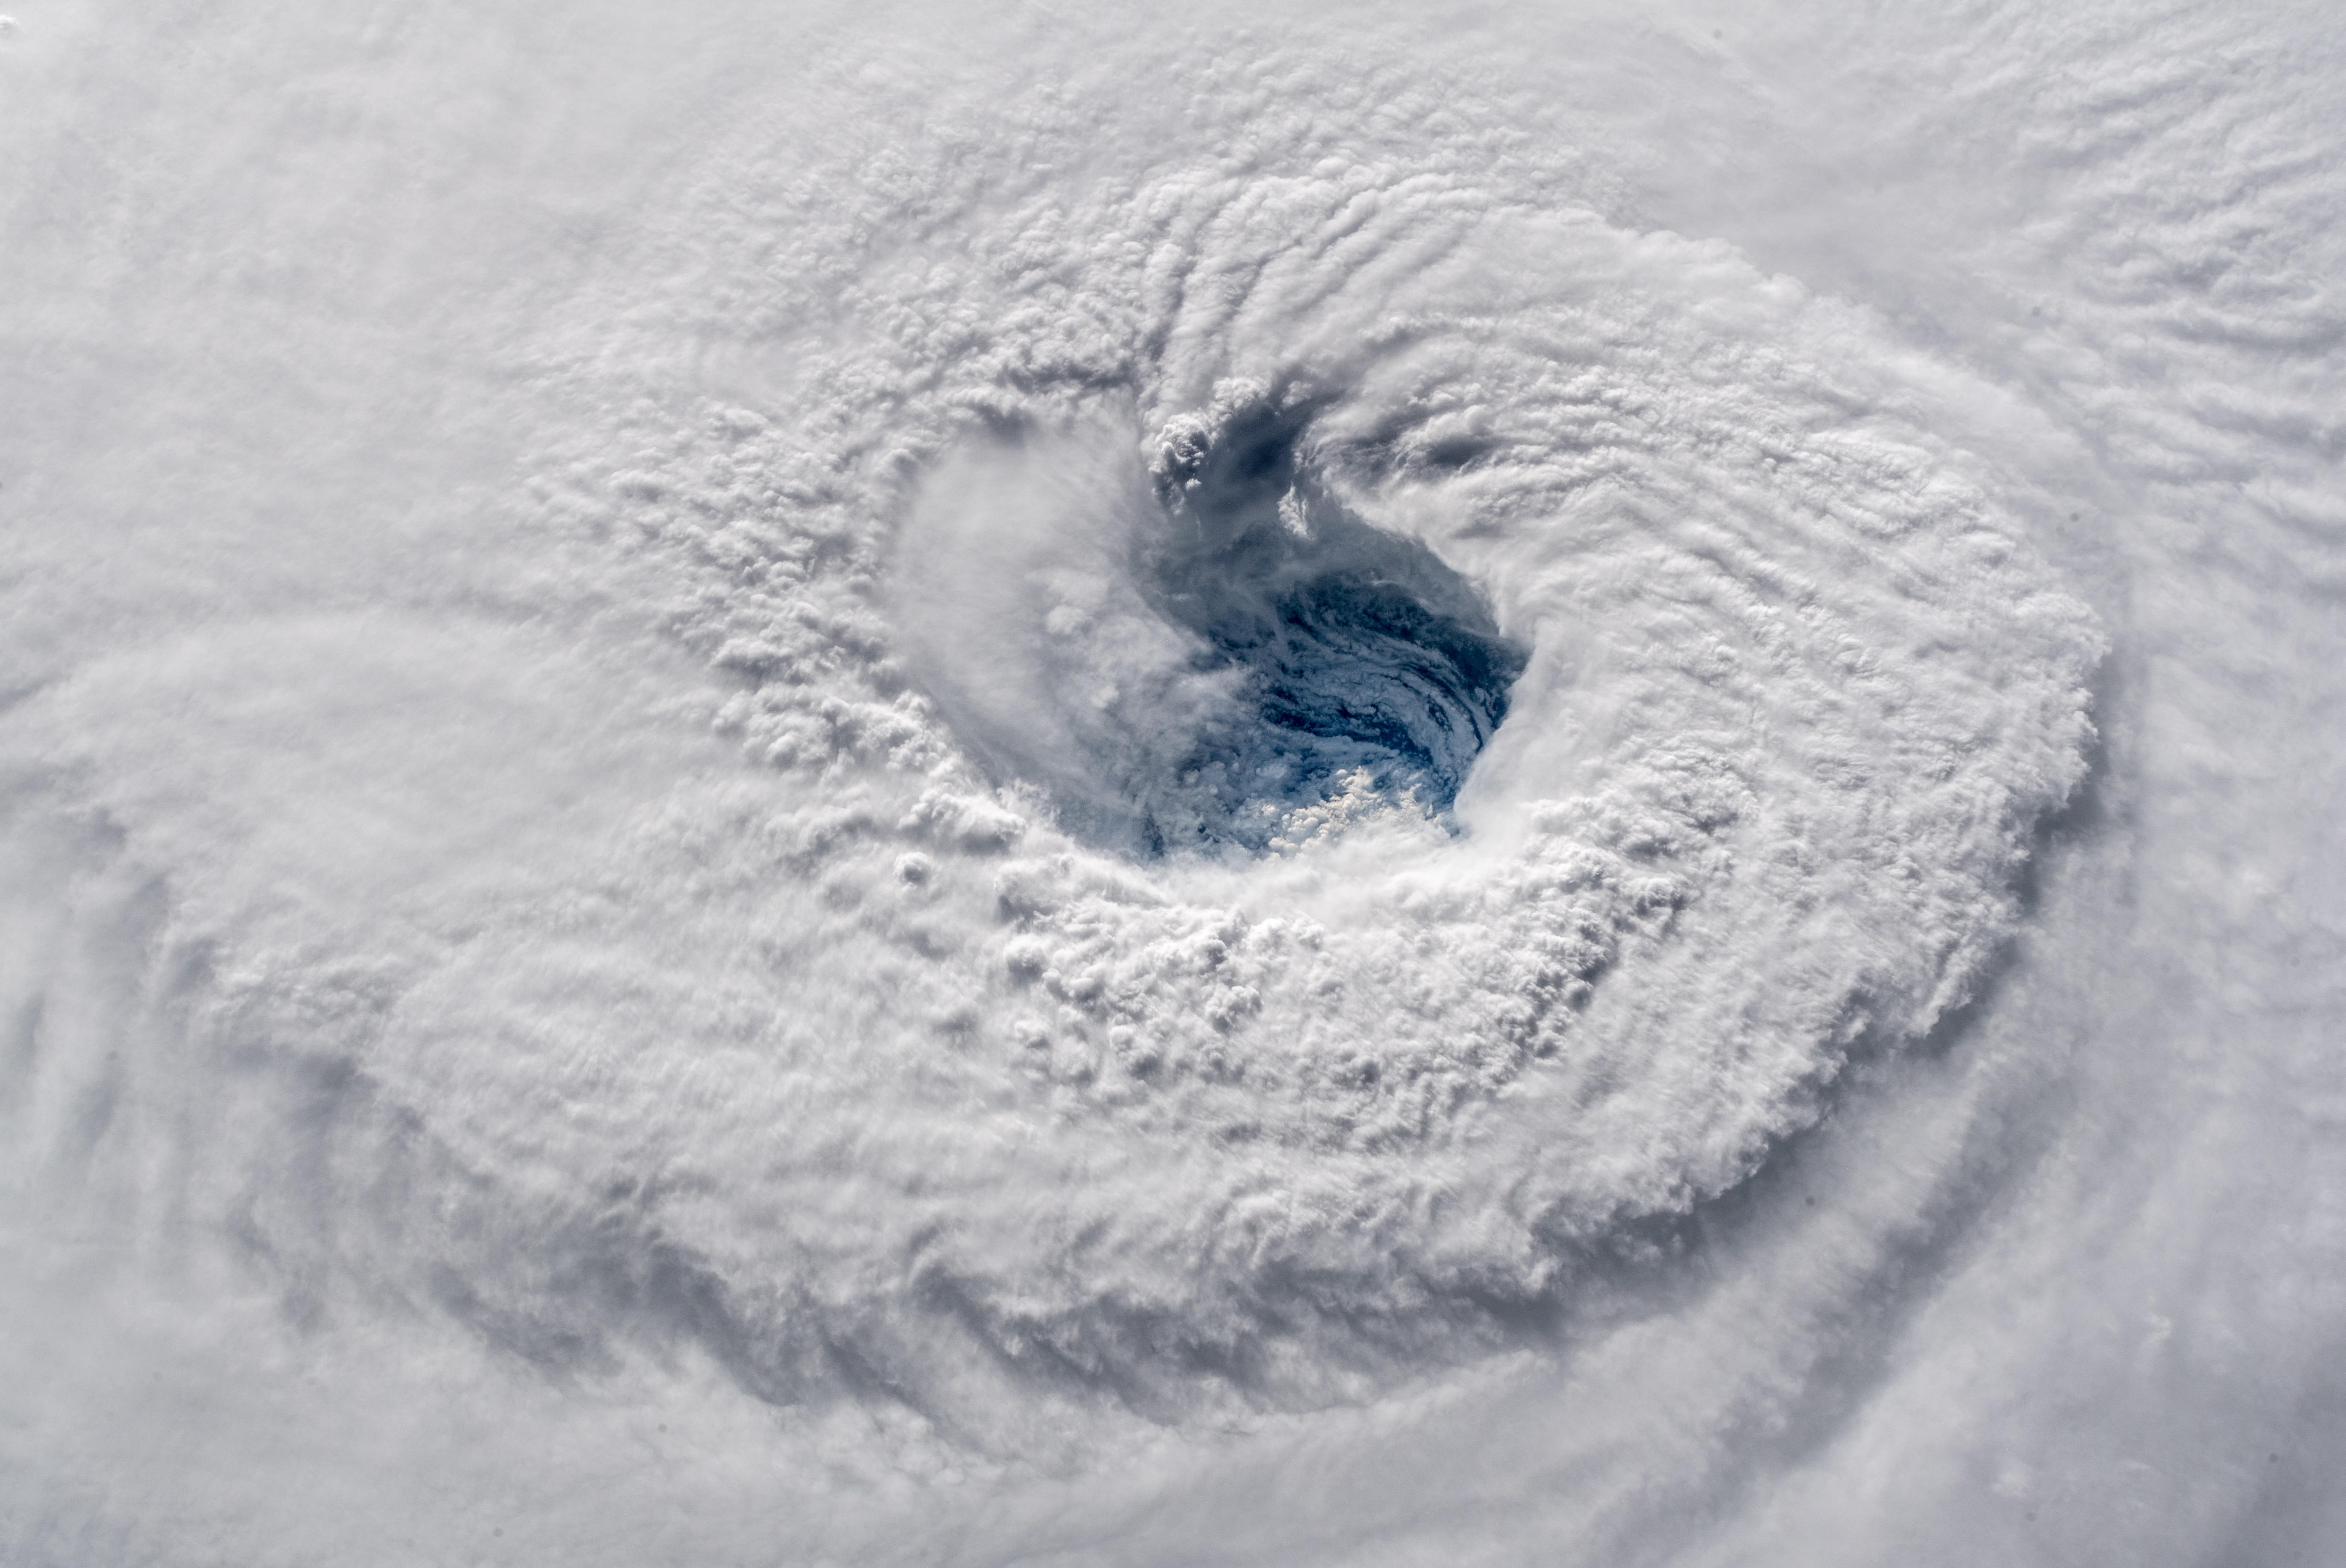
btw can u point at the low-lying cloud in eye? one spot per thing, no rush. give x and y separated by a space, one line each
1016 595
1069 794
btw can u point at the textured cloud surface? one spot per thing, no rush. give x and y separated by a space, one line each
905 786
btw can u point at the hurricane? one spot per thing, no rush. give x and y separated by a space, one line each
918 784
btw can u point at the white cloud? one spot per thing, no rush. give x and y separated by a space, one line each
605 624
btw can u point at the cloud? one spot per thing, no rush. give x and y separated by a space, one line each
1354 795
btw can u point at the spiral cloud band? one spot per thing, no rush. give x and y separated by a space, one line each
908 786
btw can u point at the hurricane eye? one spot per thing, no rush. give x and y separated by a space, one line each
1228 660
1365 662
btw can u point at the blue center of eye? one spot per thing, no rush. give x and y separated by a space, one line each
1362 661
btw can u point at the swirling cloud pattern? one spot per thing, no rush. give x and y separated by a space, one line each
903 786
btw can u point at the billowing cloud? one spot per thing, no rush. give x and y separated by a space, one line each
910 792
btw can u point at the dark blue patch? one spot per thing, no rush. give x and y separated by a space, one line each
1360 651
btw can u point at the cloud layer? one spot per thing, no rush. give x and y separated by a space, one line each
939 796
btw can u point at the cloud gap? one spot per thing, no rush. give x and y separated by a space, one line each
1370 667
1214 657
